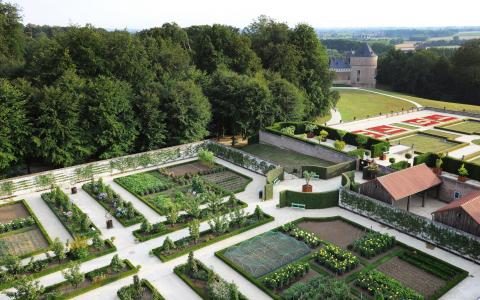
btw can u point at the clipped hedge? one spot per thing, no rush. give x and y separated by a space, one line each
268 191
374 145
275 174
331 171
450 164
311 200
400 165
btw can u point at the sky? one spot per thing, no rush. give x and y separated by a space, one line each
140 14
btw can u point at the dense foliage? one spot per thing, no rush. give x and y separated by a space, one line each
320 287
286 275
383 287
336 259
373 243
16 224
427 73
73 94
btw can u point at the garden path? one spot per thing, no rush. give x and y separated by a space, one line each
161 274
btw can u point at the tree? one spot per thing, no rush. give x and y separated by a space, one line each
108 117
194 229
466 67
172 215
308 176
116 264
73 275
58 133
78 247
168 244
193 207
146 226
26 289
259 214
289 101
58 249
192 265
206 157
12 39
14 126
214 202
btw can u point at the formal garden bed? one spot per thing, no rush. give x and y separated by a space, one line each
423 143
21 234
194 213
78 251
163 189
140 289
221 227
77 283
75 221
122 210
205 282
374 266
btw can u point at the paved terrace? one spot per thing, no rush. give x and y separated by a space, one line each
161 274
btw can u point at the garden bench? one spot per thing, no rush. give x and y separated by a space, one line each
316 177
276 180
298 205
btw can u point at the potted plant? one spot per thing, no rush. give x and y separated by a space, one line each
307 188
370 172
408 155
339 145
366 153
462 173
391 160
438 164
309 128
383 156
323 135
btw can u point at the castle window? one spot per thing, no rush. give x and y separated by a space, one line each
358 75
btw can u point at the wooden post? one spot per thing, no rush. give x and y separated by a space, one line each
408 203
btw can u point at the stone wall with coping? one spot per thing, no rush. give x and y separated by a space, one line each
450 186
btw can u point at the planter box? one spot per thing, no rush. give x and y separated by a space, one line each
462 178
307 188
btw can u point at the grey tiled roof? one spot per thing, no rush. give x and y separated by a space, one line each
339 63
364 51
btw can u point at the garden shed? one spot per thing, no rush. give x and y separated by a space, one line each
463 214
401 185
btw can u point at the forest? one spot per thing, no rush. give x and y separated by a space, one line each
75 94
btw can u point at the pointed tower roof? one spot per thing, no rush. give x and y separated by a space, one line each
364 51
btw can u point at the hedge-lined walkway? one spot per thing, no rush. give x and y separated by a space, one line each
161 274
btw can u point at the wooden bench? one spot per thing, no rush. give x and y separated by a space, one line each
297 205
276 181
316 177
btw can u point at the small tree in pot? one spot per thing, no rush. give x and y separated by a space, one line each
462 173
383 156
371 171
307 188
309 128
323 136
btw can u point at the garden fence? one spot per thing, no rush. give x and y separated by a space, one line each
443 236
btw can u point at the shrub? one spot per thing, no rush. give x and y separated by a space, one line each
286 275
384 287
361 140
391 160
323 135
206 157
290 130
462 171
408 155
78 248
320 287
336 259
373 243
339 145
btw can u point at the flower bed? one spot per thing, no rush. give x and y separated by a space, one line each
16 224
309 238
384 287
93 280
123 211
197 277
145 183
74 220
51 264
373 243
286 275
320 287
213 235
336 259
141 289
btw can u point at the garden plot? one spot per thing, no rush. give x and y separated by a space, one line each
266 253
387 129
20 232
467 127
188 168
228 180
423 143
336 231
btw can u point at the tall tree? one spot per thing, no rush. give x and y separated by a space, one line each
12 40
288 100
14 126
108 118
58 132
466 68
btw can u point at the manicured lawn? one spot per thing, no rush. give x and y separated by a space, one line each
442 134
401 125
435 103
324 119
286 158
468 127
360 104
476 161
423 143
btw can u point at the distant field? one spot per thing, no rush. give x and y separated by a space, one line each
360 104
464 35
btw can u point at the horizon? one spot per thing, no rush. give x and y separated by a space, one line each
144 14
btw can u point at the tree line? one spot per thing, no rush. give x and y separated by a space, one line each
75 94
452 75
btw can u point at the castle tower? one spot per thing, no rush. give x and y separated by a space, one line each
363 67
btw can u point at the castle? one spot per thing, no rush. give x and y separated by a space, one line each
357 68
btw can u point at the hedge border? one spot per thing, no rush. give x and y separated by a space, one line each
144 282
310 200
450 164
110 249
159 234
453 148
137 220
163 258
96 285
332 171
54 210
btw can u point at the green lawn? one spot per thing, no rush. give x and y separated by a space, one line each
468 127
435 103
475 161
425 143
324 119
286 158
442 133
360 104
401 125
